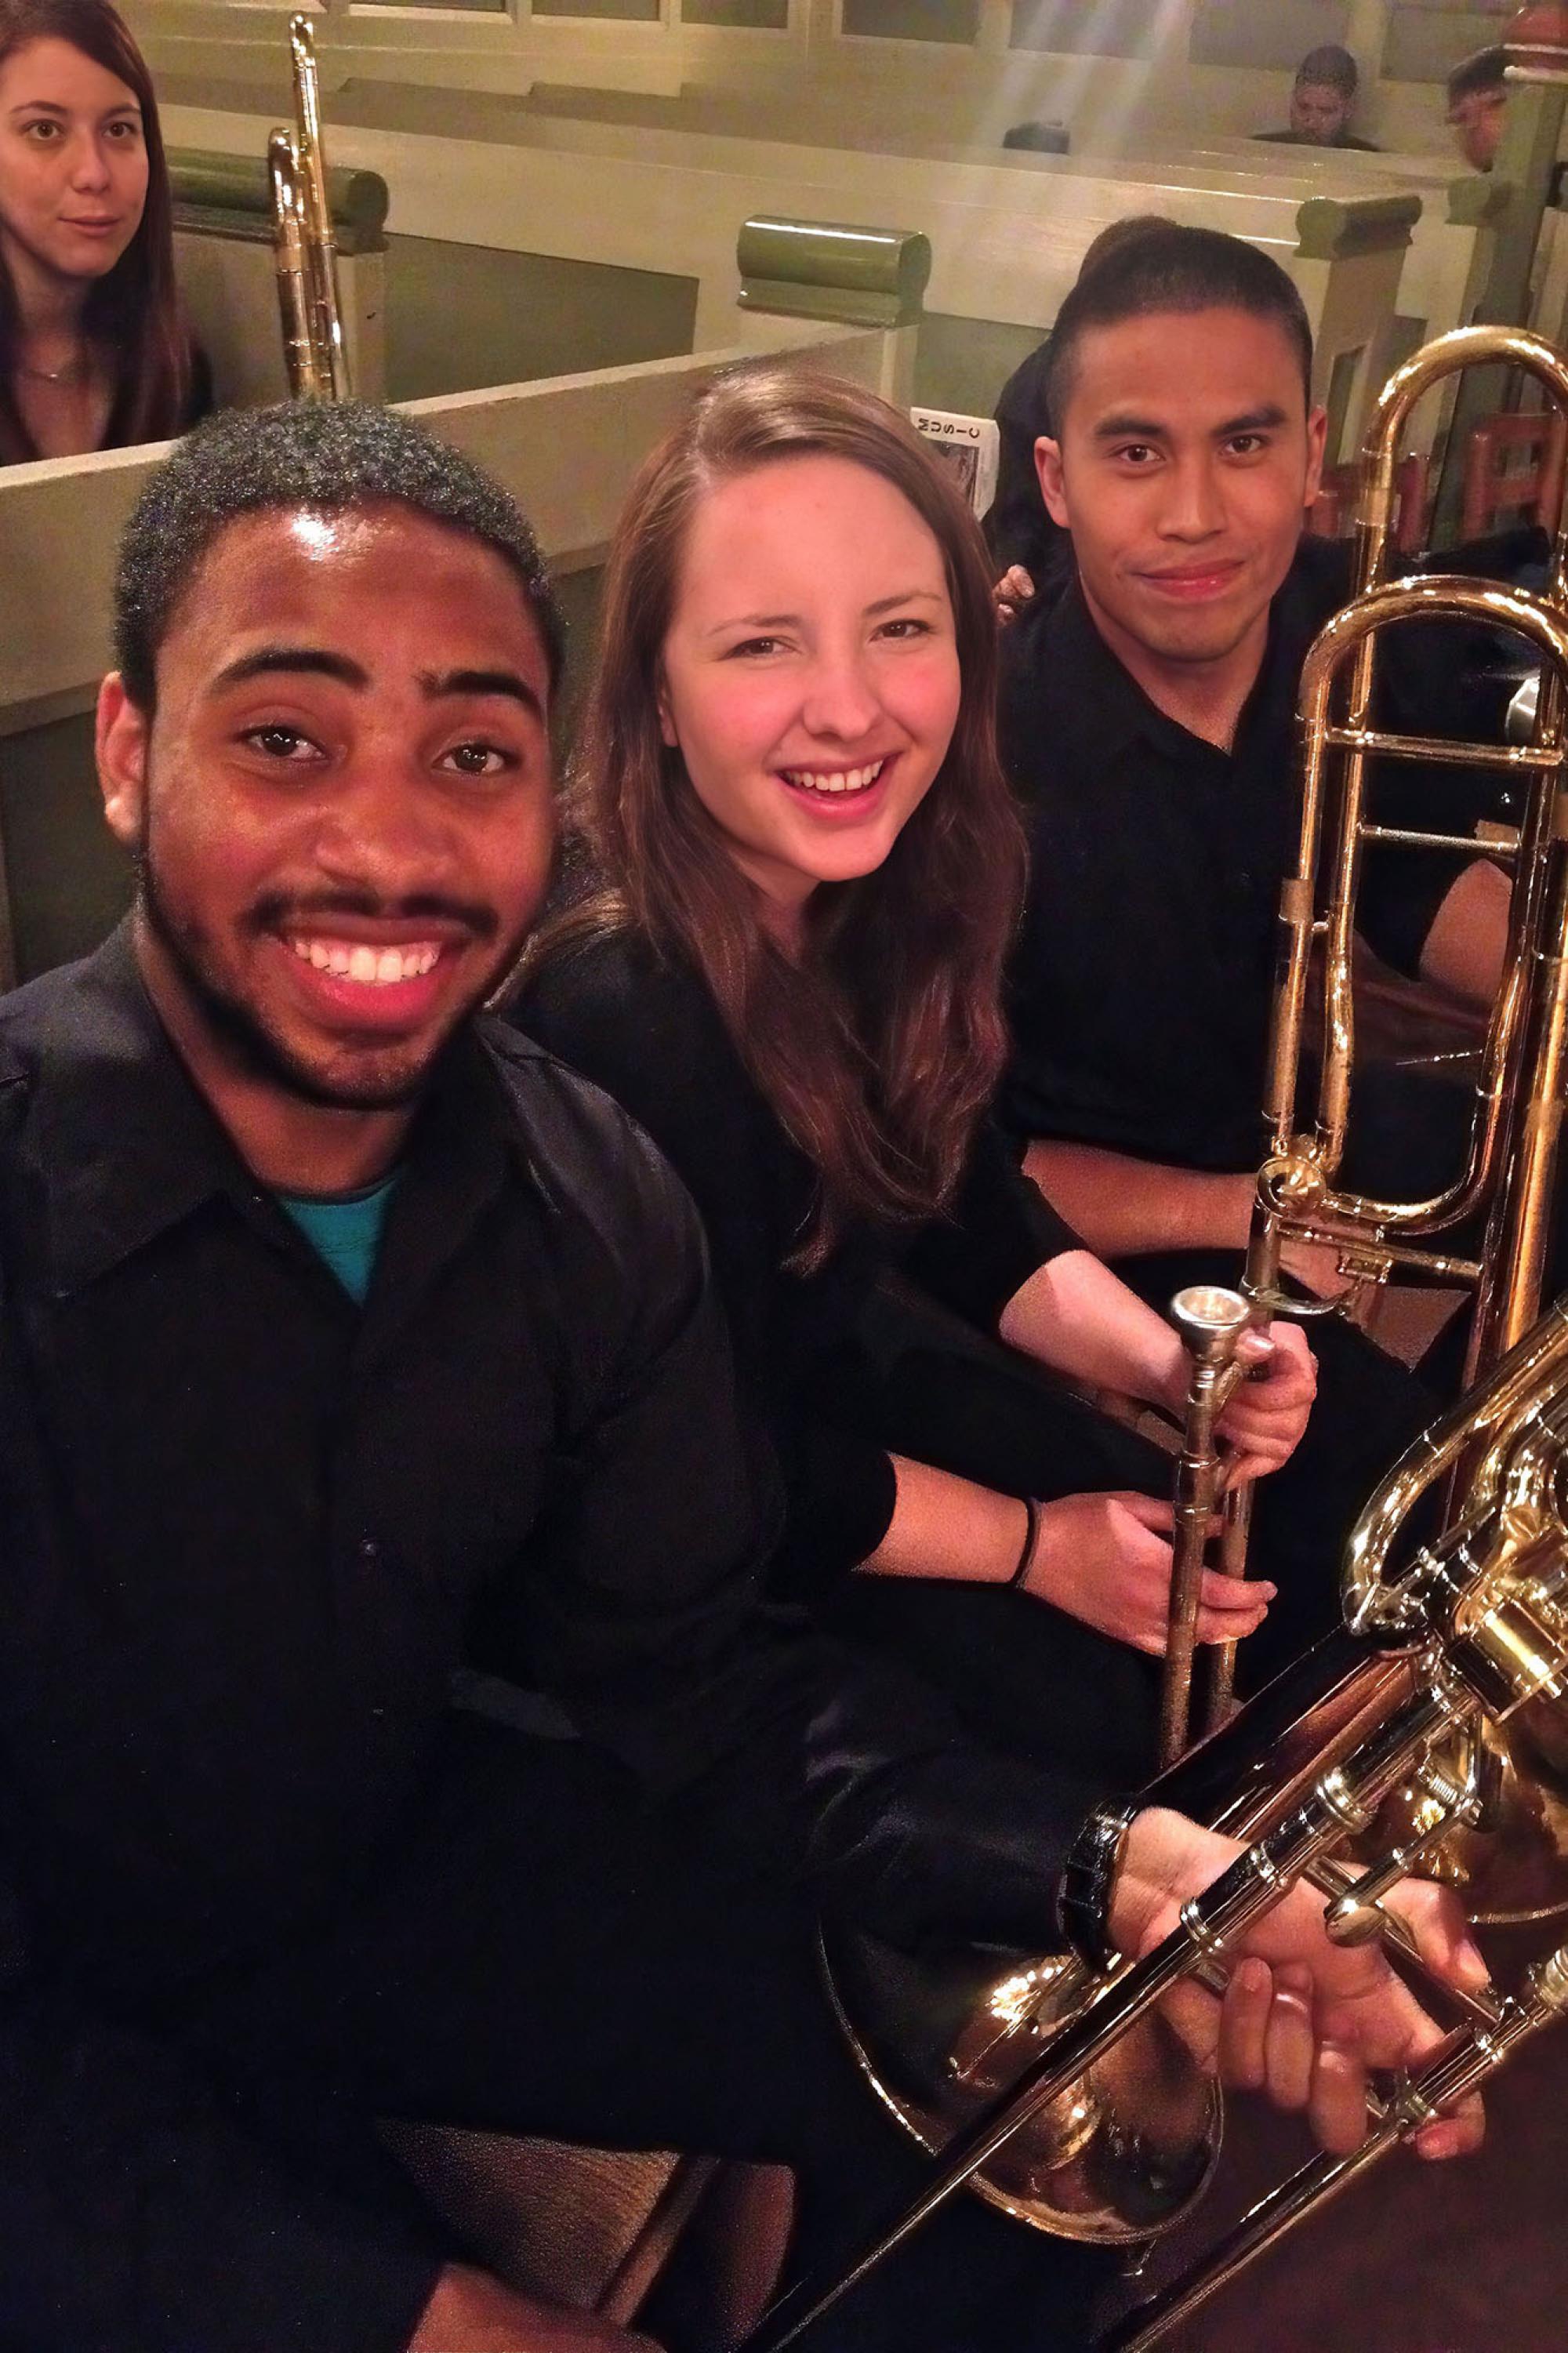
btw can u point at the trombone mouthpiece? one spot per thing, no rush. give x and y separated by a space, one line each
1210 1320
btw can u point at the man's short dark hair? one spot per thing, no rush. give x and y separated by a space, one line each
1120 232
1484 70
1171 268
1329 68
327 457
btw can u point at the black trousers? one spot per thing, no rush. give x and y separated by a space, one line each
542 1958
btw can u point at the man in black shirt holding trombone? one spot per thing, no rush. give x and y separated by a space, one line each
1148 721
351 1351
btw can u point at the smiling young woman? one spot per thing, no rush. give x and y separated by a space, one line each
94 349
803 871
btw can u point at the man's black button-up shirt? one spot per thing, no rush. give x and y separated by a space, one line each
249 1535
1143 982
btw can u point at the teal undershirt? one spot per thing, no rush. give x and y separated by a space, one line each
344 1228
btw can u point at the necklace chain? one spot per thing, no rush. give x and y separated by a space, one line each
63 375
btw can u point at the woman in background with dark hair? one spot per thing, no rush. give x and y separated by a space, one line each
94 349
786 966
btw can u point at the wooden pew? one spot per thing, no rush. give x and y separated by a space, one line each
1435 268
1438 263
1006 242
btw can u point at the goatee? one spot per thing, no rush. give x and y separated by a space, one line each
245 1038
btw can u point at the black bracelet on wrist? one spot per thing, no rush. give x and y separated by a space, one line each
1031 1535
1083 1892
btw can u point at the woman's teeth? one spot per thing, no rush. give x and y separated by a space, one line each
376 967
840 780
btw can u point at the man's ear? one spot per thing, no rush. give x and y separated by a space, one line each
1048 466
121 737
1317 442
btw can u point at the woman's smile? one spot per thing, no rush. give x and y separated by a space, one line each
841 795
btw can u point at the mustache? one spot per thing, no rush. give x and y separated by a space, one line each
276 909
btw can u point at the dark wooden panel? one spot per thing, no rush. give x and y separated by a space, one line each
746 15
1424 43
914 20
641 11
460 316
484 7
1110 28
68 879
1240 32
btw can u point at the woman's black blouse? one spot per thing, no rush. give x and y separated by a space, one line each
646 1030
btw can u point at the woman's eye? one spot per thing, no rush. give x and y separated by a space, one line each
280 743
479 760
908 626
43 133
755 645
126 133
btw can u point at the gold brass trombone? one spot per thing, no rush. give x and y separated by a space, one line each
314 347
1509 1164
1046 2086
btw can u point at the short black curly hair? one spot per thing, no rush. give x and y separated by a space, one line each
320 456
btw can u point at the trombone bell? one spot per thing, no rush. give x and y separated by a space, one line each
1121 2156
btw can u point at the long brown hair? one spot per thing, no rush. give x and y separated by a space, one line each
132 315
881 1045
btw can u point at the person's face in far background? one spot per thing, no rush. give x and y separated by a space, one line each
73 164
1318 112
1477 120
810 671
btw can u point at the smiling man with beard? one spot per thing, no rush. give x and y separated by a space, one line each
359 1386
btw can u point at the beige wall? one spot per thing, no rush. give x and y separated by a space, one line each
1192 67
